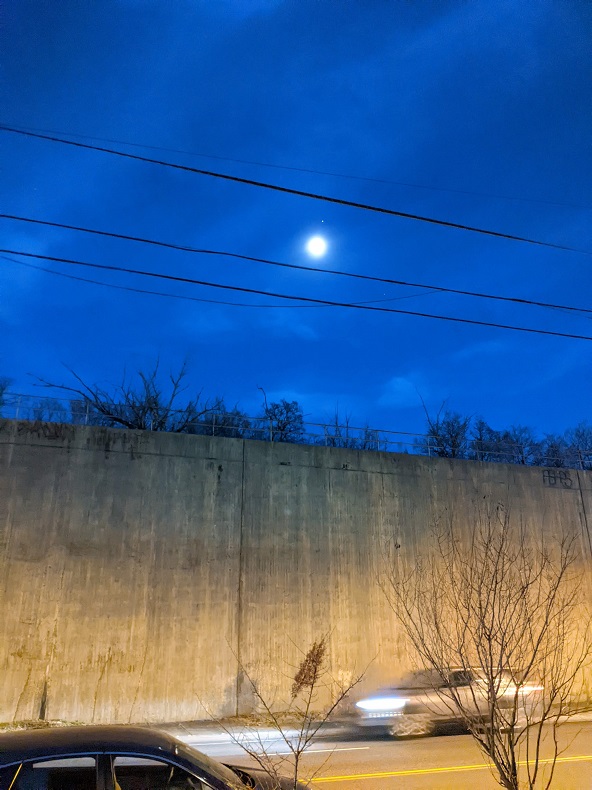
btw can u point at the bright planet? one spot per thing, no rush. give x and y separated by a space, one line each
316 246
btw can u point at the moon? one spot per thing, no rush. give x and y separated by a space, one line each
316 246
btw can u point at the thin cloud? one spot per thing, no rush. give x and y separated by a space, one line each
400 392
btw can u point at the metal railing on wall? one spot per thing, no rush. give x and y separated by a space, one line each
233 424
216 422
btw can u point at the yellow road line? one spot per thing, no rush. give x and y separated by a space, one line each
438 770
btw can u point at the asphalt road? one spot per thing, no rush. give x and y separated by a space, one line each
449 762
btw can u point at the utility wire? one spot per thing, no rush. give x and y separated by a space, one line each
299 267
306 299
195 298
129 288
310 170
298 192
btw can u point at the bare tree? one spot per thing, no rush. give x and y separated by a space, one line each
49 410
519 445
282 421
141 405
4 385
298 719
447 433
511 607
370 439
579 441
221 421
484 441
338 433
514 445
553 451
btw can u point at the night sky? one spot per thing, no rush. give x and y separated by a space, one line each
477 113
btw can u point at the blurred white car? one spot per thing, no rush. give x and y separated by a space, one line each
424 700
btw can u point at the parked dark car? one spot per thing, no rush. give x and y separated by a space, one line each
117 758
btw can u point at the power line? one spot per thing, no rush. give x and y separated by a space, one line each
298 267
309 170
298 192
129 288
195 298
307 299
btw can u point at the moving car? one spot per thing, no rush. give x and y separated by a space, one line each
424 701
117 758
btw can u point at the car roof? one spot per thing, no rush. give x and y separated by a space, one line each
53 742
30 744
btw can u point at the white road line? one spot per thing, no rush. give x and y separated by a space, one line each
336 749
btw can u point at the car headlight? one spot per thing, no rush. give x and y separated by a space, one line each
378 704
527 688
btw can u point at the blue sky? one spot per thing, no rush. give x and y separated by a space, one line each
478 113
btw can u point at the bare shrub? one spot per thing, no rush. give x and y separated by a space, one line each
510 605
295 720
142 405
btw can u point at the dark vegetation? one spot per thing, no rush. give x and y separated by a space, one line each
143 402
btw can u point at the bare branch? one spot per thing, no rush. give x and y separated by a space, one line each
510 607
299 718
141 406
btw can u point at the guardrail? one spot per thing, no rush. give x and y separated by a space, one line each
219 422
216 422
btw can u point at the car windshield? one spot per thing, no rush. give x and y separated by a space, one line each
213 767
425 679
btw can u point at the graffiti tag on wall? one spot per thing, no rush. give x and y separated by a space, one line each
557 478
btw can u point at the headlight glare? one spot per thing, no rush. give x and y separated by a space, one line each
381 703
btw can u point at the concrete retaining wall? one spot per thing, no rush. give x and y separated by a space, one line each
137 569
